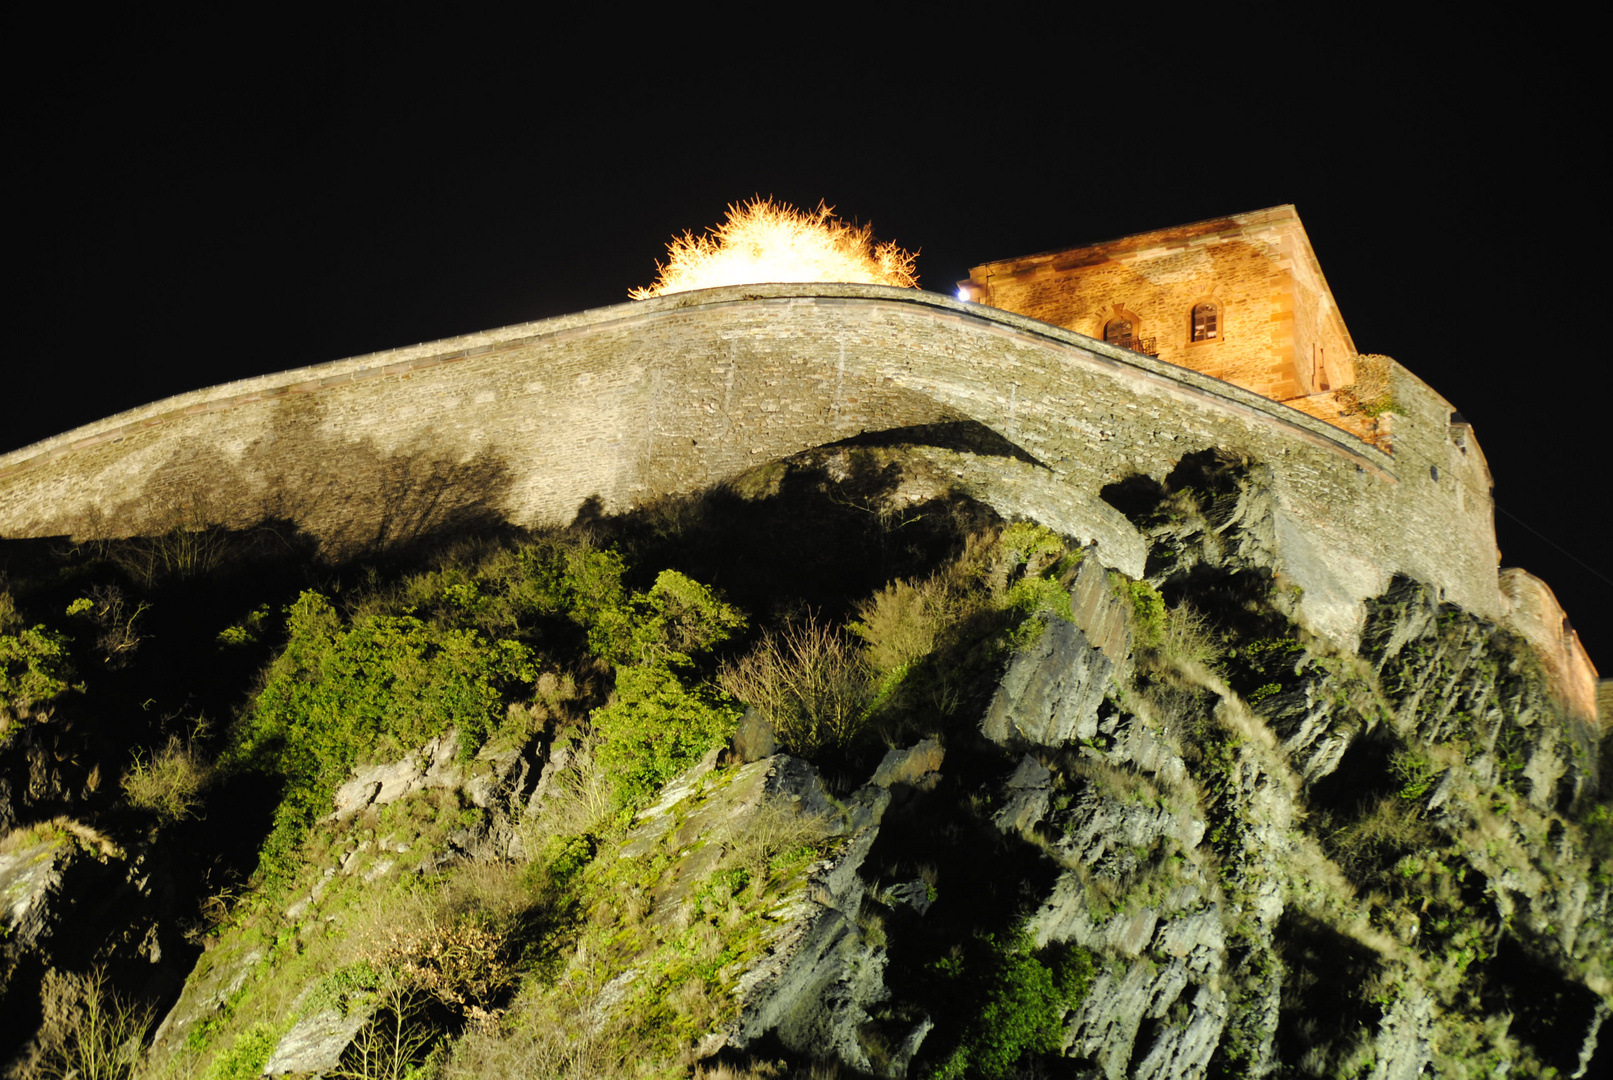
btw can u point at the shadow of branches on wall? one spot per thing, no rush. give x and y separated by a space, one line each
352 497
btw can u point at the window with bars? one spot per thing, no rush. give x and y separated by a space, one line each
1119 332
1206 322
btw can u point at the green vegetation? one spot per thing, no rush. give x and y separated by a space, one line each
810 683
374 686
247 1055
492 923
1147 610
35 665
1415 772
657 726
169 782
1015 999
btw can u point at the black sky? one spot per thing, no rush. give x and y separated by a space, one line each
195 203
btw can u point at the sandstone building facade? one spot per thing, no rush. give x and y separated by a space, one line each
1239 298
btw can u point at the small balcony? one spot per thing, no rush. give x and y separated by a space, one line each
1144 345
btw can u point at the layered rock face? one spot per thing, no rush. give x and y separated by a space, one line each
1154 829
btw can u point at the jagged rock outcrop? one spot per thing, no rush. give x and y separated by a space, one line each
498 781
817 975
70 897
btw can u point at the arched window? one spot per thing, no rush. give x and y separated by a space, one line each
1206 325
1119 331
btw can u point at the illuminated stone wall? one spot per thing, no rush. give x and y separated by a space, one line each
606 409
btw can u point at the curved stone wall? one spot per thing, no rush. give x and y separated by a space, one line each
607 408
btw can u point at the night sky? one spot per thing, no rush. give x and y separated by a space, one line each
194 204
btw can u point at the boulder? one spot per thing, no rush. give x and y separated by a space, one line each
918 766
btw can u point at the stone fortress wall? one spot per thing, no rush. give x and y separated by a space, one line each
604 410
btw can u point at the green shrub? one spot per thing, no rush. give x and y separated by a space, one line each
1025 543
1389 828
1038 596
676 619
1415 772
1017 999
169 782
1264 691
1148 618
1188 638
247 1055
249 631
657 726
34 667
902 623
378 686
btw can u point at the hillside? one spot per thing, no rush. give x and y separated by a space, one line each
826 770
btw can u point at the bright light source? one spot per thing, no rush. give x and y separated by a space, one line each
767 241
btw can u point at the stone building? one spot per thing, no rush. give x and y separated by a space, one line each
1240 298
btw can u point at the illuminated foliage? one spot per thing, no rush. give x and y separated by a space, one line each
763 240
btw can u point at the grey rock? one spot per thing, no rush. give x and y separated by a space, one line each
431 766
902 1057
814 989
1185 1050
561 758
507 774
1104 1026
1102 616
204 996
378 869
1404 1041
1095 826
754 739
1025 797
1051 691
316 1042
864 807
794 781
917 766
30 882
1587 1049
914 894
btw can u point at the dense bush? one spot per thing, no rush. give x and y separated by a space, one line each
167 782
34 663
1148 615
1013 999
657 726
448 647
904 622
377 686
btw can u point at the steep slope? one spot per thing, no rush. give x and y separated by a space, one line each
829 768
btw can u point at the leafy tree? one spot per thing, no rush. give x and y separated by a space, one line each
657 726
661 718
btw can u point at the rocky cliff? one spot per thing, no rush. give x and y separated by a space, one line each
912 792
